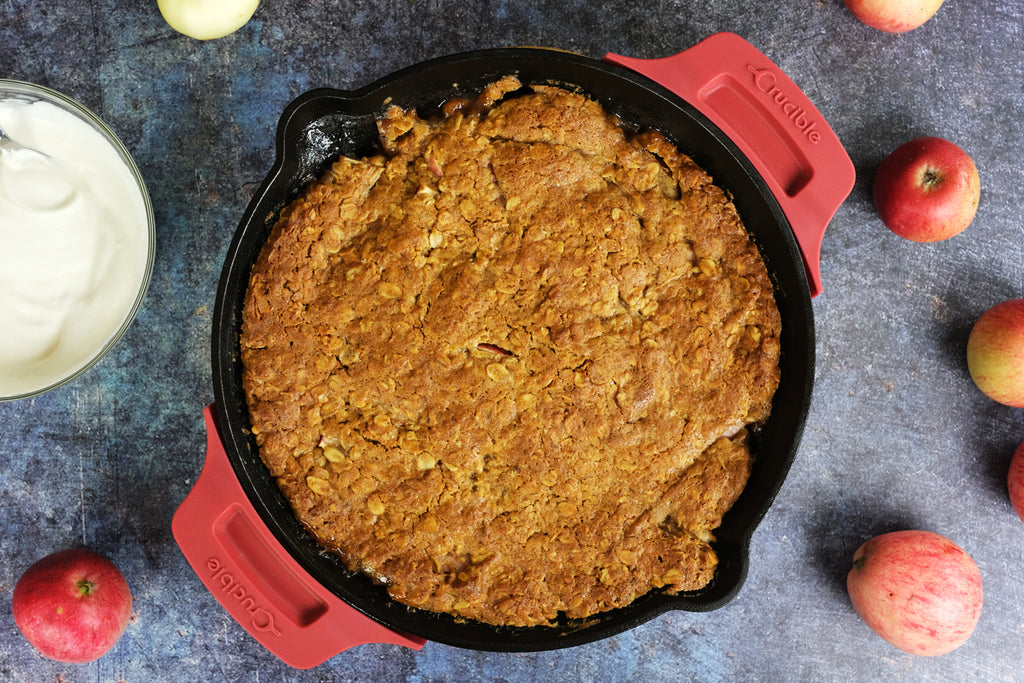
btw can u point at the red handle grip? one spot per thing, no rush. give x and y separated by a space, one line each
255 579
772 122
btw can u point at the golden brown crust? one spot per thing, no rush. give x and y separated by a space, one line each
507 367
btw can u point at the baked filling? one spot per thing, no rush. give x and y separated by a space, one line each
507 366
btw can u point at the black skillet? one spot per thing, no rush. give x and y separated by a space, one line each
723 103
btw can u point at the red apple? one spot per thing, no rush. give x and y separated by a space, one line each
894 16
72 605
916 589
927 190
995 353
1015 481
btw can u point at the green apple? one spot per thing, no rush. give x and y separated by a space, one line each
207 19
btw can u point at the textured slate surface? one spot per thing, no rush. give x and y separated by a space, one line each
897 435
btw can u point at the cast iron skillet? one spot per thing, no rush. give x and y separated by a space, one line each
322 124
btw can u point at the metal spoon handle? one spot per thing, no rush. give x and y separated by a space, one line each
10 145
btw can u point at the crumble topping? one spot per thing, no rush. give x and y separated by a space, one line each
506 367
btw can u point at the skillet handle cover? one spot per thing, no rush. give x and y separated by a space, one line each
772 122
255 579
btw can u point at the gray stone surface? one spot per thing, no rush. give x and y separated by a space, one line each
897 435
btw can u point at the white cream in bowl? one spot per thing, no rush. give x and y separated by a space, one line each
76 240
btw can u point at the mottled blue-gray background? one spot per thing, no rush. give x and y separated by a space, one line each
897 436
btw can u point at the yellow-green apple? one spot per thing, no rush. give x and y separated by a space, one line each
72 605
927 190
995 353
1015 481
207 19
894 16
916 589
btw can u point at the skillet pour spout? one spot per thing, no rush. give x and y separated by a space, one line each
785 193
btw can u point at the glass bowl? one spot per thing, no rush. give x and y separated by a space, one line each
67 295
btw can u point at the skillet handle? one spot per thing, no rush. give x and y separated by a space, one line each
772 122
255 579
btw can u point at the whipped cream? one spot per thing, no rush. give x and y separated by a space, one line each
74 246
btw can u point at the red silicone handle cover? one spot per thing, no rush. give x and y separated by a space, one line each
772 122
255 579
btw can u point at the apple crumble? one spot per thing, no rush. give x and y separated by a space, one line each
507 366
